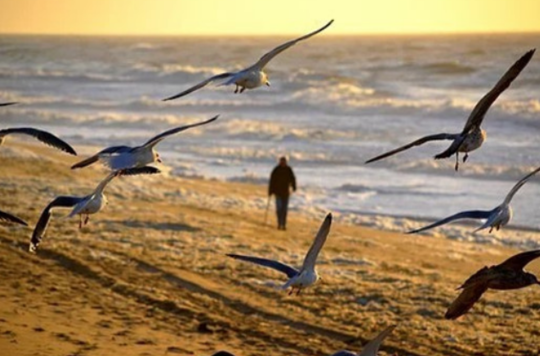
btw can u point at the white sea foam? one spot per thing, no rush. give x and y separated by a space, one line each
329 109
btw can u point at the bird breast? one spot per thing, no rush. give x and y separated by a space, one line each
473 141
305 279
506 215
252 79
94 205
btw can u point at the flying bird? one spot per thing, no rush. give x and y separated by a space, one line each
6 217
122 157
505 276
82 206
7 104
372 347
307 275
43 136
472 136
495 218
253 76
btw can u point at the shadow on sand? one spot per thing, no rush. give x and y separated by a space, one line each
161 226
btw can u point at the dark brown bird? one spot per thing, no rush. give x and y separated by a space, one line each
505 276
472 136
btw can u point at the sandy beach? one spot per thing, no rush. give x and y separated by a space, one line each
149 275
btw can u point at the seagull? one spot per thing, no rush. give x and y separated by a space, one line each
495 218
472 136
253 76
43 136
121 157
11 218
505 276
372 347
307 275
82 206
7 104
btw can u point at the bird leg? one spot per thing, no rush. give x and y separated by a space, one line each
80 221
86 219
298 291
242 90
490 229
465 157
498 227
291 291
236 89
457 162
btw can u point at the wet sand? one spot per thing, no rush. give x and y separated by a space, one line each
148 275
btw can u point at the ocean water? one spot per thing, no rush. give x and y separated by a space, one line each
334 103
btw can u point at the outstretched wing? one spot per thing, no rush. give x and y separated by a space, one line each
11 218
155 140
518 185
420 141
278 266
95 158
43 136
480 110
123 172
519 261
373 346
263 61
7 104
200 85
43 222
471 214
318 243
466 299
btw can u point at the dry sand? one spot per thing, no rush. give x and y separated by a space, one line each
148 276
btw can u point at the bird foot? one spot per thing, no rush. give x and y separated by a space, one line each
86 219
465 157
242 90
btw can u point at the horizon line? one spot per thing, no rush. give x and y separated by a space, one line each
440 33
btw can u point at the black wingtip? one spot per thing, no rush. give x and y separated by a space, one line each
8 104
71 151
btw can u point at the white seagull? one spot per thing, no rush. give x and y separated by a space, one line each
472 136
253 76
43 136
122 157
307 275
82 206
11 218
372 347
495 218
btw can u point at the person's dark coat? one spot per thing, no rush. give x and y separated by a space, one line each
281 180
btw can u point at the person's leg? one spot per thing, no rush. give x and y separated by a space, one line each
284 209
278 211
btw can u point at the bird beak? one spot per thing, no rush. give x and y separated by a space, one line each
159 160
268 84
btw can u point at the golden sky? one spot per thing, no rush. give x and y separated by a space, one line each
259 17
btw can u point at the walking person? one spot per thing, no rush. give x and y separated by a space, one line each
282 180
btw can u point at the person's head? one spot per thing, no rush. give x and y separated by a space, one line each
283 161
